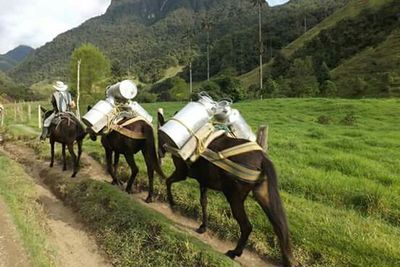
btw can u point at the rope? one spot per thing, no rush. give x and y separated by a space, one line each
200 144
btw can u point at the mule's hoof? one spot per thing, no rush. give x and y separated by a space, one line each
51 165
73 175
172 204
129 191
202 229
231 254
149 199
114 182
64 169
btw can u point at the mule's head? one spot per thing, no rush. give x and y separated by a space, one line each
45 113
160 122
89 131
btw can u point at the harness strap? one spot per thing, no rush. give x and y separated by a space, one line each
240 149
120 128
221 160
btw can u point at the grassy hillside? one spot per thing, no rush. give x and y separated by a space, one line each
341 36
374 71
338 163
352 9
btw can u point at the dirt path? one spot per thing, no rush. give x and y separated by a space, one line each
73 245
11 250
94 170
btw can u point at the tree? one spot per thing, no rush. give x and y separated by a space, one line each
329 89
271 88
116 69
188 36
207 24
260 4
94 66
302 78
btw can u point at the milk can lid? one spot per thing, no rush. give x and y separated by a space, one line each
128 89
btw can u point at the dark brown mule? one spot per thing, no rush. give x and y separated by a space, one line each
265 191
117 143
66 133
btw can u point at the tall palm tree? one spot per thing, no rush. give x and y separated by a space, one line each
260 4
207 25
188 36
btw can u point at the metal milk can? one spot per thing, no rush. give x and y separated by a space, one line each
138 110
234 121
122 91
188 121
97 118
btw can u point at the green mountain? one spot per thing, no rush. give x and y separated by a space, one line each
13 57
147 36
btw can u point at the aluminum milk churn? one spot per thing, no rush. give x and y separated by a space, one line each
234 121
122 91
187 121
138 110
97 118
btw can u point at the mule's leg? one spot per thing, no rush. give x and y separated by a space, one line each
134 171
64 158
116 161
203 202
73 156
79 142
52 143
175 177
150 174
110 168
277 220
236 201
180 174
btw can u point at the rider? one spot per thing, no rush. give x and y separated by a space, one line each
62 102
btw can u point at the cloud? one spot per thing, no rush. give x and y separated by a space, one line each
35 22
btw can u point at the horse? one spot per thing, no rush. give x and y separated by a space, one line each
66 132
209 176
117 143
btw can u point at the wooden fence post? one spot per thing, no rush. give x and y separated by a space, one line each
29 112
262 137
39 117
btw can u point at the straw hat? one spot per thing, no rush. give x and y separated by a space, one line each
60 86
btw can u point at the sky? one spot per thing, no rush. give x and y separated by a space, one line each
35 22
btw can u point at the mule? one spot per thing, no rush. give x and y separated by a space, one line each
265 191
117 144
68 131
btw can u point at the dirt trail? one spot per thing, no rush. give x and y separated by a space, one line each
95 171
11 250
183 223
73 245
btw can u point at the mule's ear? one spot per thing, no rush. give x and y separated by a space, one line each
160 117
89 107
43 109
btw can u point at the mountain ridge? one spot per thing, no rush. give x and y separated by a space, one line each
15 56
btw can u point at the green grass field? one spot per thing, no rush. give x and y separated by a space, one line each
19 194
338 163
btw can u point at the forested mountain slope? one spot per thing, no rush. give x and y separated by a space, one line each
148 36
13 57
358 42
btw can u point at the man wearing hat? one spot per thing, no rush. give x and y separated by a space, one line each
62 102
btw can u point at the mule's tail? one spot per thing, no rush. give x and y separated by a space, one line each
267 195
151 146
